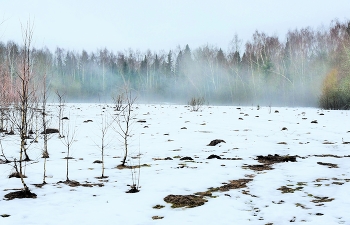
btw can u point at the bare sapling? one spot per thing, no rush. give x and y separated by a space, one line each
104 128
45 122
68 140
118 100
4 104
26 92
21 118
2 151
4 110
24 109
15 168
61 101
124 122
135 175
36 121
45 153
3 116
6 94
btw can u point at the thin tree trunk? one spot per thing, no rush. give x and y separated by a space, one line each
67 166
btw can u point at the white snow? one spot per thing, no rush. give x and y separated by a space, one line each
258 133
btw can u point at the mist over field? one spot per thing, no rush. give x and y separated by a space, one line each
262 71
252 133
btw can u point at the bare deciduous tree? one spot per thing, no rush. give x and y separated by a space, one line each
104 128
5 97
118 100
196 103
44 120
22 111
124 122
68 141
135 176
45 152
60 106
26 92
2 151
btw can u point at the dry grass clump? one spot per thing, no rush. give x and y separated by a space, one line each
187 201
158 206
157 217
234 184
276 158
330 165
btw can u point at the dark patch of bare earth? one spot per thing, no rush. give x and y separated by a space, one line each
73 183
20 194
330 165
199 198
215 142
268 161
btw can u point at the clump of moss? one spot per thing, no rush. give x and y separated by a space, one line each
285 189
205 194
187 201
301 183
234 184
301 206
259 167
157 217
276 158
322 199
330 165
198 198
158 206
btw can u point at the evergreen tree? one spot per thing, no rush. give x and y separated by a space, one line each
178 64
143 67
187 55
220 57
156 64
168 64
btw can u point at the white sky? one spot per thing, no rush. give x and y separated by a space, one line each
160 24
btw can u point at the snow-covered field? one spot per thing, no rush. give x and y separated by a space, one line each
312 190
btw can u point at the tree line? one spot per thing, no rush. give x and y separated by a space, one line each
23 112
265 70
312 67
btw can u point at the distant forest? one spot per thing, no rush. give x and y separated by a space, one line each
309 68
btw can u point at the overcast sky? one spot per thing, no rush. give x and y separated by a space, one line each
160 24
